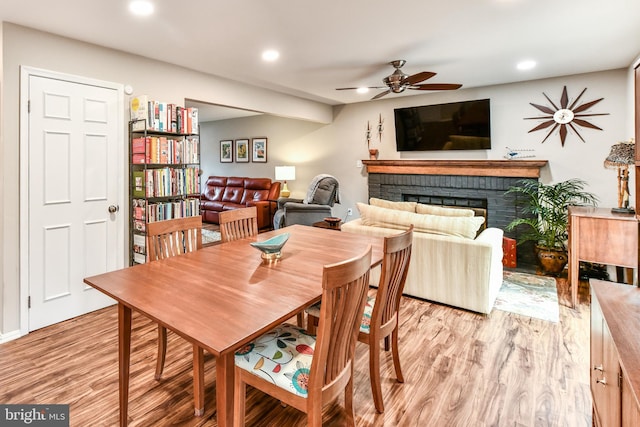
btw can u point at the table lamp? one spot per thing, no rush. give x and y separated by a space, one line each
284 173
621 156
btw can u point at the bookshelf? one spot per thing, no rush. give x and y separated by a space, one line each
164 168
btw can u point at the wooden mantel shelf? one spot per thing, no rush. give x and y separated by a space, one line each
503 168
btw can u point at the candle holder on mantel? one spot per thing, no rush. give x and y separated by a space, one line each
373 154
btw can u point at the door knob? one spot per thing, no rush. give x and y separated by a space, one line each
114 208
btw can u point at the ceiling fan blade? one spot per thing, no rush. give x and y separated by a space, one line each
437 86
355 88
418 77
381 94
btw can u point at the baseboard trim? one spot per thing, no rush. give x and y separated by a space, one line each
10 336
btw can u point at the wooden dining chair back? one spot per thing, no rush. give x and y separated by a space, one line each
174 237
238 223
383 323
166 239
380 318
307 371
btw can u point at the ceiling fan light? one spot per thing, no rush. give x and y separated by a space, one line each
141 7
526 65
270 55
362 90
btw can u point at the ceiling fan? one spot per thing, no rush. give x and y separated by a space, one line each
398 81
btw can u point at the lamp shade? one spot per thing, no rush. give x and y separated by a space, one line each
622 154
285 173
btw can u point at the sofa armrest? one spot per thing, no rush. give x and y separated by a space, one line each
465 273
284 200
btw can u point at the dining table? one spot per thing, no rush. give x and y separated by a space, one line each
223 296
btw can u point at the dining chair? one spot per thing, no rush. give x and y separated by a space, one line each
238 223
380 317
167 239
305 371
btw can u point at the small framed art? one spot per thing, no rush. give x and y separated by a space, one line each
242 150
226 151
259 150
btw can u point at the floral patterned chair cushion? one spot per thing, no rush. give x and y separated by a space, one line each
282 356
365 325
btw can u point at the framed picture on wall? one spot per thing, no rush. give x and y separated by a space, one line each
259 150
242 150
226 151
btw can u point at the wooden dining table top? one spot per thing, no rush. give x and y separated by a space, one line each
223 296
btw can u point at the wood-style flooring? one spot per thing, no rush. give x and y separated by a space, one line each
460 368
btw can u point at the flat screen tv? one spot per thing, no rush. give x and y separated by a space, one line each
462 125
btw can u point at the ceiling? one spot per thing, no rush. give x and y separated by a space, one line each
331 44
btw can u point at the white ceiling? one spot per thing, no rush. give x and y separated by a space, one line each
329 44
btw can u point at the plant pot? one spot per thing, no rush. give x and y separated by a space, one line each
373 154
551 260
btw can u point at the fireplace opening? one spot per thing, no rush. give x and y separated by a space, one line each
446 201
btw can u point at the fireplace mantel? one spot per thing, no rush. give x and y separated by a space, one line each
503 168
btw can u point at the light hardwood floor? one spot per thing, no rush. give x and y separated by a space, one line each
461 369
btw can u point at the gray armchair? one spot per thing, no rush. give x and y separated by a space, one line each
322 194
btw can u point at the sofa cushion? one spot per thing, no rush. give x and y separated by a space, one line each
443 210
401 206
214 188
233 194
257 184
465 227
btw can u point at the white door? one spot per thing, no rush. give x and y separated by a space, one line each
74 134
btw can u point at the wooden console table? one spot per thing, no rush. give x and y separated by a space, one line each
600 236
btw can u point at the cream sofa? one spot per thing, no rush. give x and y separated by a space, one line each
449 263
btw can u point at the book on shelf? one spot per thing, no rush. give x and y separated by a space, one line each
139 110
162 116
139 258
140 243
138 207
139 225
138 182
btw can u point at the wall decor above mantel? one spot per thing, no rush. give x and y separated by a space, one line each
565 116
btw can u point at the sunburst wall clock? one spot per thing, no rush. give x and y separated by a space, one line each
566 116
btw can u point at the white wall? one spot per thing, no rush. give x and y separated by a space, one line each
335 148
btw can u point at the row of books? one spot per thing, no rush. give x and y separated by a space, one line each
165 182
157 212
163 150
165 210
162 116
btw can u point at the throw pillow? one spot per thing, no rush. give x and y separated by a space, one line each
465 227
401 206
442 210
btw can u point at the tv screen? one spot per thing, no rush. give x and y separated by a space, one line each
454 126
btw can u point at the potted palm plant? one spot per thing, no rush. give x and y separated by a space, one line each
544 209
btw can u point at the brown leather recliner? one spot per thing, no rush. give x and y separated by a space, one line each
223 193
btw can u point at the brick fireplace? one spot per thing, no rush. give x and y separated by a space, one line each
473 183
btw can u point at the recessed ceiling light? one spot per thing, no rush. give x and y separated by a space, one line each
141 7
526 65
270 55
362 90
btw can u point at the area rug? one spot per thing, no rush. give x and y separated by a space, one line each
529 295
210 236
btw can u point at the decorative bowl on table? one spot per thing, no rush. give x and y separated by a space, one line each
271 248
333 221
